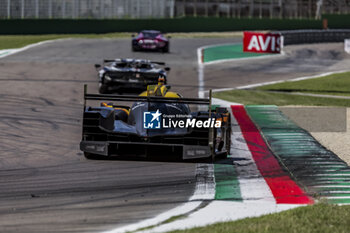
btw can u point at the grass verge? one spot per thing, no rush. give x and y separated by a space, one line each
18 41
279 99
335 84
317 218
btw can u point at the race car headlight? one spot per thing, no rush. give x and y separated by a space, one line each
107 78
140 41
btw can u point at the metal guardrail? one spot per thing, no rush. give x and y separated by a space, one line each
314 36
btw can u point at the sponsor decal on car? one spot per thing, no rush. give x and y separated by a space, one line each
157 120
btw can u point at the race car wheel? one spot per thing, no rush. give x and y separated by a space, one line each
219 150
222 155
103 89
134 48
221 145
166 49
228 136
91 156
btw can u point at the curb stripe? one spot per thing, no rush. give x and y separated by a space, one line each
284 189
312 165
252 185
227 186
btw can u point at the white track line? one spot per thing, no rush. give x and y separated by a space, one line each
201 92
223 103
183 209
200 70
278 81
221 211
204 190
201 64
8 52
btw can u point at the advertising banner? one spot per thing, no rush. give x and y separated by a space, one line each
262 42
347 45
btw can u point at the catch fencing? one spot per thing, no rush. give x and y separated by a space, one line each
110 9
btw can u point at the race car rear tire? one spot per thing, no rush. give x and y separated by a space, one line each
165 49
103 89
221 155
91 156
134 48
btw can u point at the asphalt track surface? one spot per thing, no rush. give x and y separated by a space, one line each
46 184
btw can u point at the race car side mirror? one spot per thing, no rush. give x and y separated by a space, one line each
167 68
97 66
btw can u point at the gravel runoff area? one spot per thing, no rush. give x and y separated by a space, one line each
338 142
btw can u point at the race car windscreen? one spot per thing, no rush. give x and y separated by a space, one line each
121 64
151 35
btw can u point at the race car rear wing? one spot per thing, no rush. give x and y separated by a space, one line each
130 98
146 61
